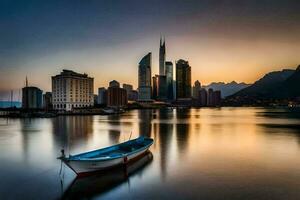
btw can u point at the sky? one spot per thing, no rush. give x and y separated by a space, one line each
223 40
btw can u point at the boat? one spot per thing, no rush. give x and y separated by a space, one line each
90 187
108 157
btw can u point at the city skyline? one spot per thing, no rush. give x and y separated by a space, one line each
258 38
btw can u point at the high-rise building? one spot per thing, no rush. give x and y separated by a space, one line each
210 97
154 87
183 80
217 98
32 98
102 96
144 79
116 97
133 95
95 99
169 77
47 101
114 83
72 90
162 57
161 82
128 87
196 89
203 97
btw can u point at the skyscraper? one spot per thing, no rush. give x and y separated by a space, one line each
196 89
116 97
32 98
131 94
162 87
210 97
183 80
203 97
144 79
154 87
162 57
217 98
102 96
169 77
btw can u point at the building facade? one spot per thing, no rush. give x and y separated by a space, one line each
32 98
47 101
131 94
154 87
161 82
210 97
183 80
203 97
144 78
217 98
72 90
116 97
102 96
196 89
169 80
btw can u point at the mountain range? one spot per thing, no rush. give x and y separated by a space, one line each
227 89
274 86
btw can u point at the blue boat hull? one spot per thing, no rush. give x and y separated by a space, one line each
108 157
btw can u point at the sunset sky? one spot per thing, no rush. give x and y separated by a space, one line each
223 40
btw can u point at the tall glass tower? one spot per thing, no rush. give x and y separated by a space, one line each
162 57
183 79
144 87
169 75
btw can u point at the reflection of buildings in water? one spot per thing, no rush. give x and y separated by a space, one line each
145 119
182 129
280 125
114 131
197 127
183 113
69 129
114 136
28 127
163 114
182 133
165 137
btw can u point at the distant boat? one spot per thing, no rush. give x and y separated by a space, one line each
107 157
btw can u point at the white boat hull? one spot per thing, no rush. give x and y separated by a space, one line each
80 167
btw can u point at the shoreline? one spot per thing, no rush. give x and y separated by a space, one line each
19 113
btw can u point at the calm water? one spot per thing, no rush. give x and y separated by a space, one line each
228 153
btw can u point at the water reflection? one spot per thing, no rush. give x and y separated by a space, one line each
114 131
72 131
97 184
226 153
165 138
145 119
281 121
182 129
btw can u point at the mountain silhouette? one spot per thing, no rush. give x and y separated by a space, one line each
292 84
227 89
277 85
